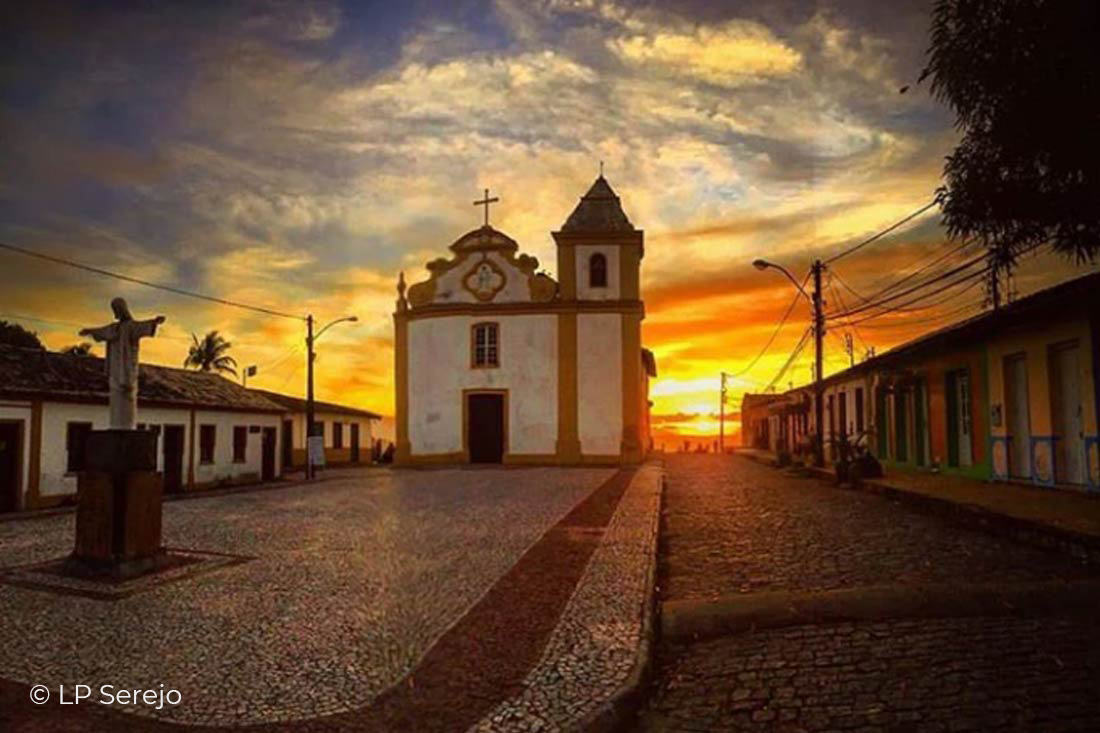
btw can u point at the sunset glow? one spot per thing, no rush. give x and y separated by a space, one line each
300 156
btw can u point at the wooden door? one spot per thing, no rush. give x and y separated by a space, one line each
10 459
355 442
288 445
960 449
1066 415
485 428
172 447
901 426
270 438
1017 416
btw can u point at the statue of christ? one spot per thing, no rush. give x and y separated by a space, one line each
122 339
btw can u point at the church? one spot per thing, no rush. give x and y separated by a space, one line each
497 362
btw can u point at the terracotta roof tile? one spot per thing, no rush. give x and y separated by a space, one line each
28 373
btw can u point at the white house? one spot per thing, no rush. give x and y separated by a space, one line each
211 431
348 431
497 362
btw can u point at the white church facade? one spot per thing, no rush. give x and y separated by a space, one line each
498 363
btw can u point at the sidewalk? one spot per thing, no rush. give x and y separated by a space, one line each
1059 519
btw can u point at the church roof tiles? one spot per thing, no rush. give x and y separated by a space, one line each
599 211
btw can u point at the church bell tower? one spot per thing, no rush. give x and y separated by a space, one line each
599 270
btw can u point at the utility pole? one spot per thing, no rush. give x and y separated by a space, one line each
311 339
850 347
819 385
309 394
722 417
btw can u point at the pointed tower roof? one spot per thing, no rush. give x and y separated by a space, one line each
599 211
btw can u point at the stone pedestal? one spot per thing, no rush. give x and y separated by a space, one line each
118 517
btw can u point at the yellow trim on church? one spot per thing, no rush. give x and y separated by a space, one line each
546 298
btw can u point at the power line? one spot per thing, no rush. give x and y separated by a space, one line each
973 278
909 276
936 320
775 333
908 291
146 283
881 234
844 305
790 360
73 324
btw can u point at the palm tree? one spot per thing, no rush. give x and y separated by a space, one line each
209 354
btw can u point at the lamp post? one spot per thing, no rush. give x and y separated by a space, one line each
722 414
311 339
819 336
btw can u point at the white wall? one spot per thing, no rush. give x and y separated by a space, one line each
223 466
55 419
449 287
600 382
366 432
21 411
57 415
439 370
584 292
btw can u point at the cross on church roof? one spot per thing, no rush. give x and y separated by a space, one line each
485 202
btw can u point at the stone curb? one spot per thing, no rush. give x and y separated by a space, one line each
693 620
619 711
1079 545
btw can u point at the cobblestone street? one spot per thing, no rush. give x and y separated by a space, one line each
345 585
734 528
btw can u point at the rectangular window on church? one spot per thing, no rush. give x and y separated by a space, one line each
486 346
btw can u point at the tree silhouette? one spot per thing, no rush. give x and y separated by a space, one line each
82 349
13 334
209 354
1023 77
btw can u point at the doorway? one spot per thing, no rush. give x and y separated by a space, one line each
270 436
1065 414
485 427
288 445
355 442
1017 416
960 450
11 449
172 447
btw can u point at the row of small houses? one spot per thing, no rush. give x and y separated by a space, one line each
1009 395
211 431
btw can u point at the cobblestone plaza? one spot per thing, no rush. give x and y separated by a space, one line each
343 587
524 600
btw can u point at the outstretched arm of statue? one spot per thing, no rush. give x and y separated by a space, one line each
148 328
103 333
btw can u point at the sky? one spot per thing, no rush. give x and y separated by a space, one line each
299 155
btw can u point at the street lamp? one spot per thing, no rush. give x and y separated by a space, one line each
819 336
764 265
310 356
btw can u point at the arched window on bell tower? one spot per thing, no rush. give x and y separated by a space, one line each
597 271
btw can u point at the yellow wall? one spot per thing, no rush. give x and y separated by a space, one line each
1035 342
